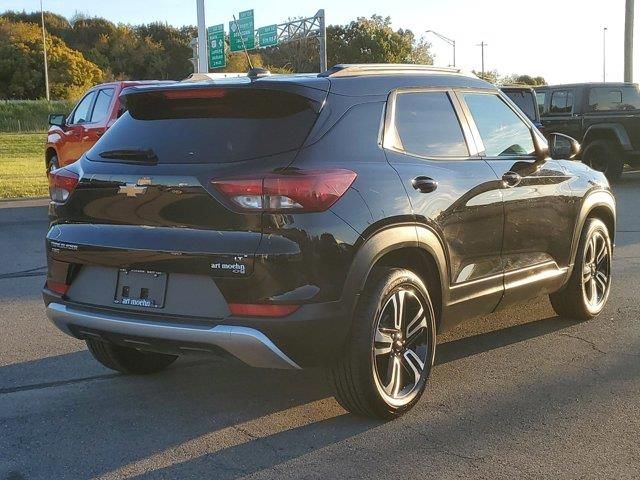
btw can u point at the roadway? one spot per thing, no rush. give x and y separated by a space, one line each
519 394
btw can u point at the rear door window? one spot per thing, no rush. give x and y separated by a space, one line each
214 125
82 112
502 131
427 125
561 101
603 99
101 107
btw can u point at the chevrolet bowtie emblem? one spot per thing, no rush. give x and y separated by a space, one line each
132 190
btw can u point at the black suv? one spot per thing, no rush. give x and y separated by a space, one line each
604 117
339 219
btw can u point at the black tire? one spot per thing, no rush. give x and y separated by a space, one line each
128 360
605 156
575 299
356 375
52 164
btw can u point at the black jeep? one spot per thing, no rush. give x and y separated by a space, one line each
605 117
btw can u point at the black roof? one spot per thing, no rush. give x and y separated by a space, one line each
350 80
587 84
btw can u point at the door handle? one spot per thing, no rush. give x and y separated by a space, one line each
511 179
424 184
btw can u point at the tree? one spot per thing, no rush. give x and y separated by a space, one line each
494 77
300 55
22 65
175 47
524 80
372 40
57 25
491 76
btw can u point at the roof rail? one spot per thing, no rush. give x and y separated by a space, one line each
350 70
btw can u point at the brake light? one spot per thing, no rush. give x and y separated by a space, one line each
261 310
303 191
61 183
57 287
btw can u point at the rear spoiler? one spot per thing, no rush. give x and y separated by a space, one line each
304 85
211 99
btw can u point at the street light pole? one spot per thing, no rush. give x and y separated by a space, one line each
203 65
44 50
604 54
448 40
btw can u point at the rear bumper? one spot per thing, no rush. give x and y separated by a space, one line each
247 344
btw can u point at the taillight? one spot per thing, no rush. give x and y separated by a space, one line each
61 183
57 287
303 191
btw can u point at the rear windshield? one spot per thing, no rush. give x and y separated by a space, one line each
525 102
207 126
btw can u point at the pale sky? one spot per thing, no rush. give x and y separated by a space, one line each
558 39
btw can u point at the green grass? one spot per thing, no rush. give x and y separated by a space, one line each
29 115
22 172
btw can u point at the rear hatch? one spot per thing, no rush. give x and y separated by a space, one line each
145 199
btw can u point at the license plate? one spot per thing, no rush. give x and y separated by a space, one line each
141 288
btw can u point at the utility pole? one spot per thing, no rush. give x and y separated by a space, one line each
203 65
628 41
448 40
604 54
44 50
482 45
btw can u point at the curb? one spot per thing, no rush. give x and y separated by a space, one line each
24 202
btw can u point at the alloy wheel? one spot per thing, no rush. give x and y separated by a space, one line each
596 271
402 351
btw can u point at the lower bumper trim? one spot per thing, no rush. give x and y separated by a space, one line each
247 344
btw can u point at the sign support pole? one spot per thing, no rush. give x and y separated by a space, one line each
323 40
203 67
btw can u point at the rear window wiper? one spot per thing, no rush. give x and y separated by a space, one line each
134 155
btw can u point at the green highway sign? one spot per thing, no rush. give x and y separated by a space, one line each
215 42
268 36
242 30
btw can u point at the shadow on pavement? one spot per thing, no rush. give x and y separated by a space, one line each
199 415
484 342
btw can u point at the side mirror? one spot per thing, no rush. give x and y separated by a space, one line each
57 119
563 146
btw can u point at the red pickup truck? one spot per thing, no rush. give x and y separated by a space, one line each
72 135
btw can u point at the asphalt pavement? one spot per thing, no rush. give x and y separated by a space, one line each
518 394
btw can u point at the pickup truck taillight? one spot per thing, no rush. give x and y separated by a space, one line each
298 191
61 183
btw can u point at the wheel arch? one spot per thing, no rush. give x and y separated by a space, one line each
49 153
411 246
608 131
599 204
